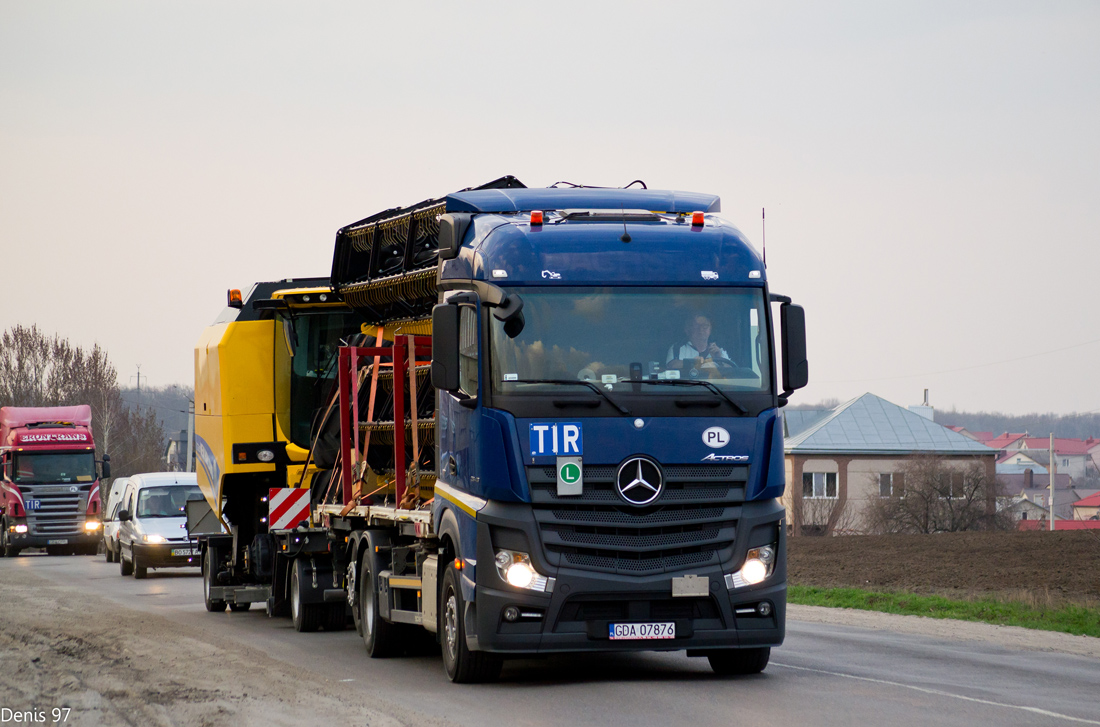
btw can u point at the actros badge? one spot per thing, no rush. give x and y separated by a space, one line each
639 481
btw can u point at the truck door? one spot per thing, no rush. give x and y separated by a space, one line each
458 420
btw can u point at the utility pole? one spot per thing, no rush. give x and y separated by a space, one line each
190 437
1050 480
138 378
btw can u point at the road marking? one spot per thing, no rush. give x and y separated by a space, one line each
940 693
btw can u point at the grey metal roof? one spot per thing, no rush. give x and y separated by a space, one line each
871 425
798 420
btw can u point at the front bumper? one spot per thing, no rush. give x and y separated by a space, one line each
160 555
575 616
36 540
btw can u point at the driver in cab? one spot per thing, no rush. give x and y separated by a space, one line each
698 352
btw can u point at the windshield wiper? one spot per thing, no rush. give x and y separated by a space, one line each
682 382
575 382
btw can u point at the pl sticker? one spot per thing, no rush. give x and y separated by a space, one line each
557 438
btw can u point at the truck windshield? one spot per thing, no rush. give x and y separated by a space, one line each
168 501
44 468
313 368
612 335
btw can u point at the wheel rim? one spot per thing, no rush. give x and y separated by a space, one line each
450 624
367 605
294 596
205 577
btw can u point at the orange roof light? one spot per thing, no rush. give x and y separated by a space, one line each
536 217
696 219
235 298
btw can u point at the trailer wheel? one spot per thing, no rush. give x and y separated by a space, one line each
463 666
382 638
731 662
124 568
209 573
306 616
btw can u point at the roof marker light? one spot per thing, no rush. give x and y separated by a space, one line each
234 298
696 219
536 217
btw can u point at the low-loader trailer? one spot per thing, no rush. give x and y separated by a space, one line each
555 428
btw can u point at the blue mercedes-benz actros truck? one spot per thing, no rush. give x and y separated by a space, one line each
558 431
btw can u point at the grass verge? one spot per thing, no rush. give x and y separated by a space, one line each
1070 619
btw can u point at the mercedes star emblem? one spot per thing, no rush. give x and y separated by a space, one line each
639 481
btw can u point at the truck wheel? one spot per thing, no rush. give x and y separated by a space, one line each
382 638
730 662
209 573
336 616
6 548
463 666
239 607
124 568
306 616
140 570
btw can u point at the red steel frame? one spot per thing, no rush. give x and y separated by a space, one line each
347 368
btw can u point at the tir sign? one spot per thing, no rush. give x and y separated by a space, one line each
569 476
556 439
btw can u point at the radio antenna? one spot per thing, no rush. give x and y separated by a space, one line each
626 235
763 237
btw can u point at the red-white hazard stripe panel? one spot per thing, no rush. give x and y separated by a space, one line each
287 507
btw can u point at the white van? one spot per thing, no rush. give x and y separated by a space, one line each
152 531
110 518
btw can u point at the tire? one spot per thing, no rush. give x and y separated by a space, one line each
140 570
107 556
306 617
7 550
353 595
209 573
335 616
382 638
735 662
239 607
463 666
124 568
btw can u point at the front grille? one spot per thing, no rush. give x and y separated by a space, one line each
692 523
62 511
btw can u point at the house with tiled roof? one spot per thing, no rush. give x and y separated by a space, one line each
844 458
1071 456
1087 508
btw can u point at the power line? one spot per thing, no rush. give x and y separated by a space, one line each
963 368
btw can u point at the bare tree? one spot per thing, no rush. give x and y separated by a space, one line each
938 498
39 370
826 516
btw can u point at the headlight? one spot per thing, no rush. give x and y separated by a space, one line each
759 564
92 525
515 569
154 539
20 528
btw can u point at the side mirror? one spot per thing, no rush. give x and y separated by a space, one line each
510 311
106 466
796 369
452 229
445 347
124 516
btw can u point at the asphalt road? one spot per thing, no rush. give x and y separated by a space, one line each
823 675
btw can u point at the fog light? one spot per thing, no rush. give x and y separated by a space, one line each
92 525
265 455
764 608
20 529
511 613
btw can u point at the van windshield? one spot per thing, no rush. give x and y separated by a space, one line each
610 336
168 501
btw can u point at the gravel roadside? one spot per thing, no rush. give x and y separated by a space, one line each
115 666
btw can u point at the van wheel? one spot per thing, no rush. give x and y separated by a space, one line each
306 616
209 573
140 570
463 666
125 568
732 662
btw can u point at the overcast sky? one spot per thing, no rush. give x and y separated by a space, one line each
931 172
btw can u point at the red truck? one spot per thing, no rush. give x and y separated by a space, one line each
49 483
